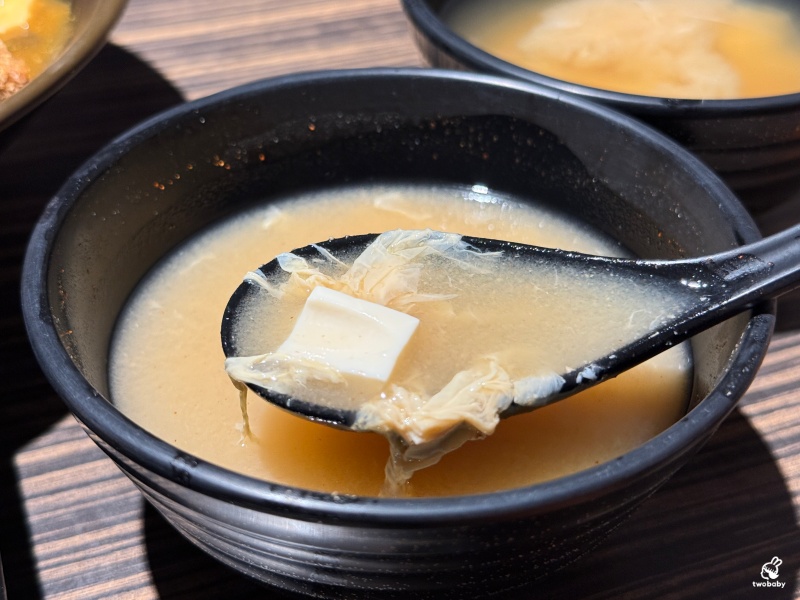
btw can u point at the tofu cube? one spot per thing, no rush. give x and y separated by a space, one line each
350 335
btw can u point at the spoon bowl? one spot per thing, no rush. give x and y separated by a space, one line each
689 295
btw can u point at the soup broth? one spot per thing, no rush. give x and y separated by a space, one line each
167 364
714 49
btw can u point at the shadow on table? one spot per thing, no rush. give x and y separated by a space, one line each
705 534
115 91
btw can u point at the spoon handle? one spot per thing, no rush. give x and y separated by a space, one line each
764 269
737 279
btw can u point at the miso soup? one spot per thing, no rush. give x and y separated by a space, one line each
712 49
167 362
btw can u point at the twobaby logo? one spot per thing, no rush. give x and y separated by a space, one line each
769 572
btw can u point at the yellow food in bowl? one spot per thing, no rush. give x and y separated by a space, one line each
32 34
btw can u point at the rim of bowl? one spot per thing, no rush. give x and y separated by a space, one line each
104 421
80 49
436 32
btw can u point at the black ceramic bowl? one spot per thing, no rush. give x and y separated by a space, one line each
753 144
109 225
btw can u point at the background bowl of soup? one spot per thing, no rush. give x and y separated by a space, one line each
722 78
54 39
147 194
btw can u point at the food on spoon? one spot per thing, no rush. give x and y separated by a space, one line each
358 316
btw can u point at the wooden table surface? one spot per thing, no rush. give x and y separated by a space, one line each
73 527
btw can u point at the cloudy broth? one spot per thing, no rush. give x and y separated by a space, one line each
167 363
714 49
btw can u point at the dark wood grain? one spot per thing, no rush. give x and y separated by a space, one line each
72 527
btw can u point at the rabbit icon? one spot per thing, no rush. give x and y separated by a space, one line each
770 569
